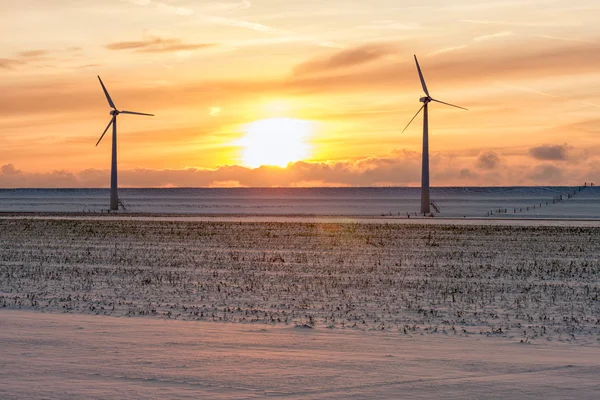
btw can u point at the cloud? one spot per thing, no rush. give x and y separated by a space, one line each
345 59
236 23
482 38
398 168
568 39
9 169
390 25
174 9
466 173
87 66
34 57
448 49
33 53
478 64
471 66
163 7
230 6
157 45
467 69
13 178
402 168
10 63
547 173
206 6
533 24
497 35
550 152
488 160
23 58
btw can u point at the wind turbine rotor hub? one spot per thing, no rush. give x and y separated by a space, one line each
425 99
114 112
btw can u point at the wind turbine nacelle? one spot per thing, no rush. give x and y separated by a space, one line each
114 112
425 99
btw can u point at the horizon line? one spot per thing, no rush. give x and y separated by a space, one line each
293 187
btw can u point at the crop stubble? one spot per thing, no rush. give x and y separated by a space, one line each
524 282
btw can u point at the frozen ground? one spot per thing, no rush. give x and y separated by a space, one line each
65 356
566 202
519 282
334 219
121 308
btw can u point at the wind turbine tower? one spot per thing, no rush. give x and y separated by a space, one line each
425 201
114 195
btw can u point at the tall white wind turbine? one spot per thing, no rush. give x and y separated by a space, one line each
114 196
425 202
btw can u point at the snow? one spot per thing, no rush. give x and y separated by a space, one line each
216 308
458 221
475 202
101 357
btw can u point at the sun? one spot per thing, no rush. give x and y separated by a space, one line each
275 141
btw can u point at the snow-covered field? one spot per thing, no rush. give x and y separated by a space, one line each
513 281
156 308
67 356
567 202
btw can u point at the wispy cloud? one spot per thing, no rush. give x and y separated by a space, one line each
10 63
164 7
230 6
157 45
236 23
391 25
204 7
472 65
448 49
566 39
347 58
35 57
546 94
174 9
87 66
330 44
285 38
482 38
492 36
342 72
528 90
33 54
516 23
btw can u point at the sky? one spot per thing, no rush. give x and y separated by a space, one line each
311 93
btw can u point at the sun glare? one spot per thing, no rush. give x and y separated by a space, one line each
275 141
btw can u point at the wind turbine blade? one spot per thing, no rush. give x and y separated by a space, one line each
421 77
136 113
413 118
108 126
110 102
448 104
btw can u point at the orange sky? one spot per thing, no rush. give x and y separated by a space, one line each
528 72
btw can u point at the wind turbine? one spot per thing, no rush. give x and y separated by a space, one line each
425 203
114 196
